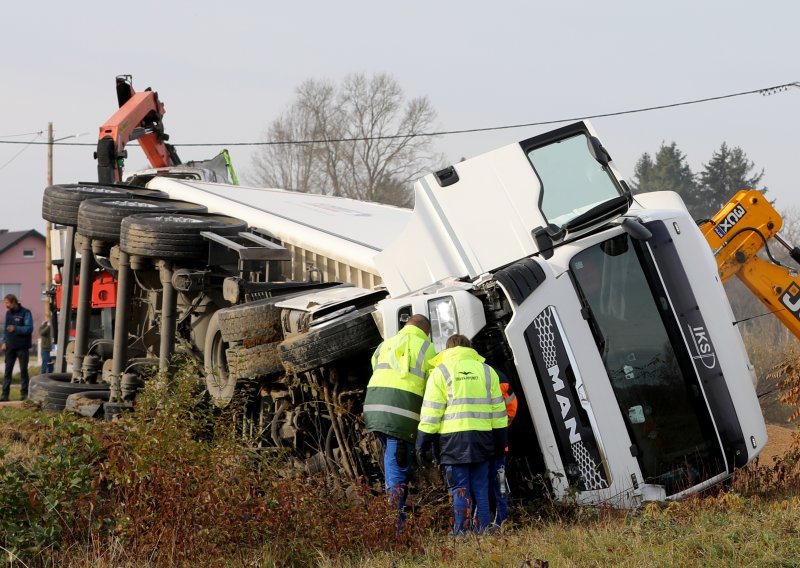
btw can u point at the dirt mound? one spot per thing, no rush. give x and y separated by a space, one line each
780 440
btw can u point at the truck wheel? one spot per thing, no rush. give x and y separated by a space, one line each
101 218
37 388
220 383
353 333
254 323
52 389
173 236
143 192
252 362
61 202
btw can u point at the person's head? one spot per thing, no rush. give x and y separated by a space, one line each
420 321
11 302
458 340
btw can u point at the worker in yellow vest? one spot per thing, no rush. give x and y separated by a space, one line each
394 396
463 410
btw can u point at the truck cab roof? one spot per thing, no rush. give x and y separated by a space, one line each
496 208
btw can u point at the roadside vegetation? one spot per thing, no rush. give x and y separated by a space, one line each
175 484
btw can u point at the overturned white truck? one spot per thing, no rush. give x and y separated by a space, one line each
603 309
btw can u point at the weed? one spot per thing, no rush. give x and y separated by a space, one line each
175 484
54 498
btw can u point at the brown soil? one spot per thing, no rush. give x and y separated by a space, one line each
780 439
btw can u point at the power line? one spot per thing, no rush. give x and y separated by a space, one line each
15 156
765 91
23 134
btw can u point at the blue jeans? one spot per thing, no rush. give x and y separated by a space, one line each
497 504
12 355
466 482
398 455
47 362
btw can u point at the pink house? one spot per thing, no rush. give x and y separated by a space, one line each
22 271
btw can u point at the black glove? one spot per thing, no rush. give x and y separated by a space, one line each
424 457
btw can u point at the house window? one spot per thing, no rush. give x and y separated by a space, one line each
9 289
29 253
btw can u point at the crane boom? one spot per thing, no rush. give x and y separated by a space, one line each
139 118
736 234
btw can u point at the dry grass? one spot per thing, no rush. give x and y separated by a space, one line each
163 508
21 431
727 530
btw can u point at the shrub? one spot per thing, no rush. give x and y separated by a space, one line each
54 499
185 487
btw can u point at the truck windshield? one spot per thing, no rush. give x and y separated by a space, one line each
660 399
573 182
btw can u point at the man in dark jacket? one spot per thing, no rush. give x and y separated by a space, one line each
17 333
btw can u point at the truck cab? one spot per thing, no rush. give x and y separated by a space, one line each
606 311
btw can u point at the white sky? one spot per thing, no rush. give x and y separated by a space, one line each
226 69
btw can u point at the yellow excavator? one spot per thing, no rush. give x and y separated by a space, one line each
737 233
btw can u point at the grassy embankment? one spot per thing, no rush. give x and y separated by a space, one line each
174 485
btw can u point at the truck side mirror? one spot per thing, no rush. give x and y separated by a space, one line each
598 152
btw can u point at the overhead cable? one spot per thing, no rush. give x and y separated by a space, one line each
766 91
15 156
21 135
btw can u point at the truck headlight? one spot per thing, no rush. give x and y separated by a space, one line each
444 321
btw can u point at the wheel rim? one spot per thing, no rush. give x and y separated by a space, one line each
219 379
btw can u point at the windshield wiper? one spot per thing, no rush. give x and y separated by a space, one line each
588 315
605 209
594 326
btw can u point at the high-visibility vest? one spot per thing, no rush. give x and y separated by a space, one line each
462 395
394 394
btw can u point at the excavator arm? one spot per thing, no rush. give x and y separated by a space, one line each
139 118
737 233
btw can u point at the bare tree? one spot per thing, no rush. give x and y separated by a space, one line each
358 139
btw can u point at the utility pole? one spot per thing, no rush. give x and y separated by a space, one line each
48 269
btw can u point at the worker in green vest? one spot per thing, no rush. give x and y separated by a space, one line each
394 396
463 409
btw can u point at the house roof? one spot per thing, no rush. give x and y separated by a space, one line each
10 238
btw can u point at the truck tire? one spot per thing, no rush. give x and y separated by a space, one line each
354 333
101 218
61 202
37 388
251 362
254 323
220 384
52 389
143 192
173 236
